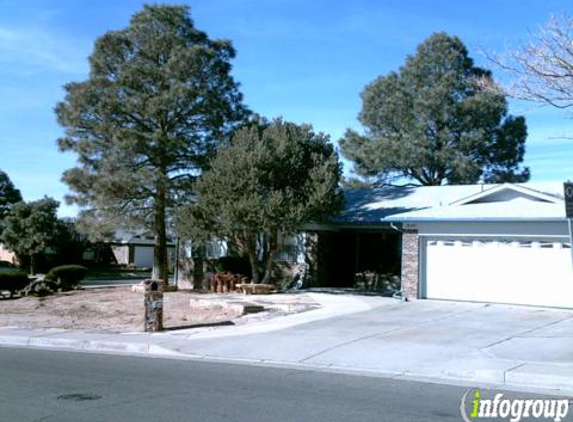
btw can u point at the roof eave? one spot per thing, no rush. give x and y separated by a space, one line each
474 220
516 188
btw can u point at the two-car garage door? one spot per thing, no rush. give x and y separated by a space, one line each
520 271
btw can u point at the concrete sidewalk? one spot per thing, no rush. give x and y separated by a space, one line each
472 344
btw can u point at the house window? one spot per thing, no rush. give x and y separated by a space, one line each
216 248
291 248
188 249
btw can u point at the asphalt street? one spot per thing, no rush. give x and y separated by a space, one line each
55 386
58 386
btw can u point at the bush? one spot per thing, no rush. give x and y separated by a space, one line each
7 264
13 281
67 277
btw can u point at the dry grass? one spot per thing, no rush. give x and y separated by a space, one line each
112 309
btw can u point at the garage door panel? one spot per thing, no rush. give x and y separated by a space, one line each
524 272
143 257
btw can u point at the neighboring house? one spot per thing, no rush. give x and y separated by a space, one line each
135 248
7 255
44 260
504 243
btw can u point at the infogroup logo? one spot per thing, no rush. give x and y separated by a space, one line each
474 406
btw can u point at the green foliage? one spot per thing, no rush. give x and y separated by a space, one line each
30 227
9 196
439 119
507 156
67 277
159 100
273 178
13 281
69 242
6 264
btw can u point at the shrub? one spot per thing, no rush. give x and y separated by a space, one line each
7 264
13 281
67 277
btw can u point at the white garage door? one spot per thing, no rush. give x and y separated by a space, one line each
143 256
526 272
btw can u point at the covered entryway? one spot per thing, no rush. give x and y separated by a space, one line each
504 270
343 253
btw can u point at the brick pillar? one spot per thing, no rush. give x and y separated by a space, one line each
410 264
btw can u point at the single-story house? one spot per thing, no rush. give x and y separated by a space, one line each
135 248
505 243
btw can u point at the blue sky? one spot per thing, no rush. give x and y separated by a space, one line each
306 61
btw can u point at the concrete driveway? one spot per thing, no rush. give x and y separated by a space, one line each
476 344
465 341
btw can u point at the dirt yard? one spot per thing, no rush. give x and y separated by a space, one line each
112 309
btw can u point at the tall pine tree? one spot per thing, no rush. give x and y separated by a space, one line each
158 102
439 119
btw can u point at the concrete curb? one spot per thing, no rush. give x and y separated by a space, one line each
542 376
537 378
468 367
104 346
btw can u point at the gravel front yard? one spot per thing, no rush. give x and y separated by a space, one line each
113 309
121 310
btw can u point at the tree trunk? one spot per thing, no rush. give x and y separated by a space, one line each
160 260
250 244
198 256
33 264
271 251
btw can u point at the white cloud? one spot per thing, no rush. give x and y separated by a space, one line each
34 50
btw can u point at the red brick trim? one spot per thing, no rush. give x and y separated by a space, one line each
410 264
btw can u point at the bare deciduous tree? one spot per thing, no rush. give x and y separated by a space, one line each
543 66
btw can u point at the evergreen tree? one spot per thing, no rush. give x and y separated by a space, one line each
159 100
9 196
273 178
439 119
31 227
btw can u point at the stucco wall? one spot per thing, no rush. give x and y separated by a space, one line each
502 229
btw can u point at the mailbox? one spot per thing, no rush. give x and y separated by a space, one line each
153 302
